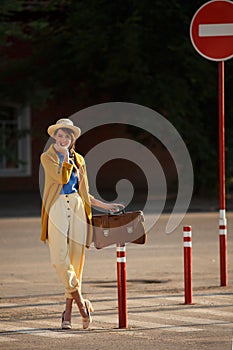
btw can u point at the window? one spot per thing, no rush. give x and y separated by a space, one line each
15 148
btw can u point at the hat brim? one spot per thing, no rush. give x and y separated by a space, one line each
52 128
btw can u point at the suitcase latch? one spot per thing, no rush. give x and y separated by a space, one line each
130 229
106 233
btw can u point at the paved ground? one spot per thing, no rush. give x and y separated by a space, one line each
32 298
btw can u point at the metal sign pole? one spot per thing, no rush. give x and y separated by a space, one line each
211 33
222 203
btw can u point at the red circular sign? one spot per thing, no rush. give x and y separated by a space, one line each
211 30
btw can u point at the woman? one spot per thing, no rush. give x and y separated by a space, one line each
66 214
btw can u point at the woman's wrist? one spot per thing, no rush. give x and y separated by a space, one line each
66 157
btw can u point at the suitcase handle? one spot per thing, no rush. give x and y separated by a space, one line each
122 211
119 212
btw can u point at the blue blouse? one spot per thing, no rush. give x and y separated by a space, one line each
72 185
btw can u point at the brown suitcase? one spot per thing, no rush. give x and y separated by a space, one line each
119 228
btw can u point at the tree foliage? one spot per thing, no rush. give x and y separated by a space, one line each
125 50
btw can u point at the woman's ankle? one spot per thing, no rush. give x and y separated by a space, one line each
78 298
67 315
80 303
68 309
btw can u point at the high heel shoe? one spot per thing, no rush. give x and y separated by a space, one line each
65 324
87 320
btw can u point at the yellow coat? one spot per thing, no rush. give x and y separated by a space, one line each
56 176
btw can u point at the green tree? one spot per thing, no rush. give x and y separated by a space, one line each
124 50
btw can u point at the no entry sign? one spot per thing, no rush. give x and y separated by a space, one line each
211 30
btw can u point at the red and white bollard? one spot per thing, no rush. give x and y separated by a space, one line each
223 247
187 241
121 281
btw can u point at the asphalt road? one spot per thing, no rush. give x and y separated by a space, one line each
32 298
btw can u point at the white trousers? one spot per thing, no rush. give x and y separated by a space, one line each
67 231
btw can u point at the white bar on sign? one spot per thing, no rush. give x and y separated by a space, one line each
225 29
121 260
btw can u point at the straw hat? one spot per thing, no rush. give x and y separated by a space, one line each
64 123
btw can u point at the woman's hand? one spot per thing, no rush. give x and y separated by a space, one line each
114 207
62 150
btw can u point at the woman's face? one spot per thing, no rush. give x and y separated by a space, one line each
63 139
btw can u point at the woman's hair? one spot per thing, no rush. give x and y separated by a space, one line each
71 133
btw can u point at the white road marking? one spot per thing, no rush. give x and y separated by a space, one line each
133 322
189 319
15 329
5 339
166 320
6 305
164 326
212 311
